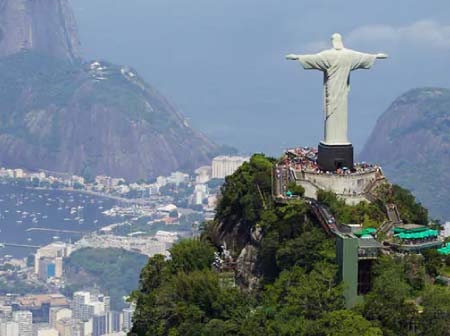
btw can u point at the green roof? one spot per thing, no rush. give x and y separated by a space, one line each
444 250
365 232
417 229
418 235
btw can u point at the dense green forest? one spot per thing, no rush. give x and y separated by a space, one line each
114 272
297 291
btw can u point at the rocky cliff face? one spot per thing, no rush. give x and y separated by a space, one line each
91 118
411 141
46 26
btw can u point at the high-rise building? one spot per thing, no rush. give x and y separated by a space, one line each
79 304
9 329
25 321
106 302
128 318
85 305
99 325
5 313
114 322
223 166
57 313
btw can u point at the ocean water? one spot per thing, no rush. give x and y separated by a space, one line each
23 210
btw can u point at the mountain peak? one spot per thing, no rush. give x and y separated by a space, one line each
45 26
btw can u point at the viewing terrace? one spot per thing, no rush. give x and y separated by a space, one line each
415 238
299 165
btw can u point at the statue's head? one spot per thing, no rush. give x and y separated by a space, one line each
336 41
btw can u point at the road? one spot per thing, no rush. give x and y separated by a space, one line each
327 220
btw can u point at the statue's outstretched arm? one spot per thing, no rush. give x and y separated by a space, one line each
382 56
317 61
292 57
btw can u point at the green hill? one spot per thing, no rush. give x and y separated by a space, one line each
114 272
281 276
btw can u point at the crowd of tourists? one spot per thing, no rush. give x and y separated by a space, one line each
305 159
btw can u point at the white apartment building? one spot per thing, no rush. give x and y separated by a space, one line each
203 174
128 318
85 305
200 193
25 321
223 166
9 329
57 314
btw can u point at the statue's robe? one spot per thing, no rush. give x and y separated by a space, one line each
336 66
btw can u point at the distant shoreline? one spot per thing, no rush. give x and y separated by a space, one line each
93 193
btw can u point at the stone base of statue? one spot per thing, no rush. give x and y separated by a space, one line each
333 157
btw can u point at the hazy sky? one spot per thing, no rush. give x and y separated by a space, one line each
221 62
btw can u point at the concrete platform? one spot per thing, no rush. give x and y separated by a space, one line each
353 188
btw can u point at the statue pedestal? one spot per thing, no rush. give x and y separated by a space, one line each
333 157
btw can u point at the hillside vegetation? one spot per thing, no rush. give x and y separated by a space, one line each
297 292
114 272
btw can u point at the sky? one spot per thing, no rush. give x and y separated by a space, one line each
221 62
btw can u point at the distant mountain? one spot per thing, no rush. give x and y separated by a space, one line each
47 26
91 118
63 114
411 141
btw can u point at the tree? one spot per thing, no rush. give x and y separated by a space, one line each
193 303
434 319
342 322
433 262
190 255
295 189
387 302
297 293
311 247
414 271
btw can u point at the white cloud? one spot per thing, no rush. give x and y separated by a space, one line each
423 33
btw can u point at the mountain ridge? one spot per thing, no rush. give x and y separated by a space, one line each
91 118
411 141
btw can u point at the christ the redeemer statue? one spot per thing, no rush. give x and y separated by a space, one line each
336 64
